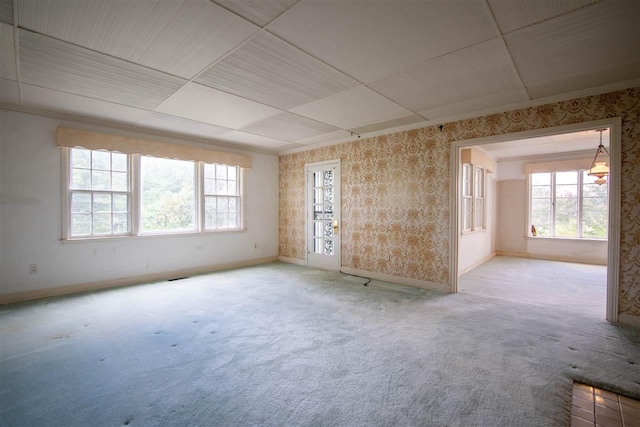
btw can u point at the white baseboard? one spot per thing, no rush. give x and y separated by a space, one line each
292 260
83 287
477 263
628 320
397 279
548 257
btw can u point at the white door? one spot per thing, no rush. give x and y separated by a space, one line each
323 215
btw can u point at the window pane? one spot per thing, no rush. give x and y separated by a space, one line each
541 216
570 177
567 190
120 223
209 220
594 218
210 204
541 178
231 173
102 224
80 179
81 203
100 180
221 172
317 246
119 181
209 171
209 186
120 203
479 213
101 160
566 217
231 188
222 220
233 204
80 224
119 162
223 204
233 220
540 191
80 158
221 187
328 178
328 247
168 194
102 203
466 213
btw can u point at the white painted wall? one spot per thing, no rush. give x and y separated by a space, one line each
31 218
512 226
476 247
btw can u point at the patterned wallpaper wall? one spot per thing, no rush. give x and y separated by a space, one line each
395 190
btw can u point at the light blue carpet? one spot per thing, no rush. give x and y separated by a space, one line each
280 345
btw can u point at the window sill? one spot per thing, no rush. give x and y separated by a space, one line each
570 239
148 236
470 232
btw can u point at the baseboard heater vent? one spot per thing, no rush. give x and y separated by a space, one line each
177 278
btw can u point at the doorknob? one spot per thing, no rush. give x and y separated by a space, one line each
335 226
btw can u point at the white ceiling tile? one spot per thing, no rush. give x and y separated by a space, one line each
352 108
477 72
273 72
54 64
252 140
9 92
259 12
372 39
204 104
288 127
6 11
593 46
7 52
48 99
180 37
388 124
180 125
473 105
514 14
337 136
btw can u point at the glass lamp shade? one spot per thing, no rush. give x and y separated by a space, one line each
599 169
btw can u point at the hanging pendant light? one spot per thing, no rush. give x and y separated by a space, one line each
599 168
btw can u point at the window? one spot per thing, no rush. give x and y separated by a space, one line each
473 193
568 204
112 194
221 197
99 191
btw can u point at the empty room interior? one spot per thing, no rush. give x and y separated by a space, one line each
316 212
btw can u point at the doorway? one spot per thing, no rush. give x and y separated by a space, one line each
613 228
322 228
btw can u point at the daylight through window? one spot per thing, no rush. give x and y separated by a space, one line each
568 204
114 194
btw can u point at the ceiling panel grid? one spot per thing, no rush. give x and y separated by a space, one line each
271 71
57 65
179 37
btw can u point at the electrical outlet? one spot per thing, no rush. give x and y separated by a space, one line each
33 268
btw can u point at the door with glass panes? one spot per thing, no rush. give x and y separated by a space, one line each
323 215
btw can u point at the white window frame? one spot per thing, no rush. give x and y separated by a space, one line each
552 215
135 202
473 197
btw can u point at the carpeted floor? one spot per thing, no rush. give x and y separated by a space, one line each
280 345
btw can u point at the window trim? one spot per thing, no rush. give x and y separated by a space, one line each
135 185
580 187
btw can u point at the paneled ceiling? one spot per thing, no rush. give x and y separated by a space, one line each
277 75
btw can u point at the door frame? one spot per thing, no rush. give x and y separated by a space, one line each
337 209
613 244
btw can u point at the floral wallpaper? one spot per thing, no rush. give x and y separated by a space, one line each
395 190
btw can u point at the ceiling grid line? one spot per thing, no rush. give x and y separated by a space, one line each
16 48
504 43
